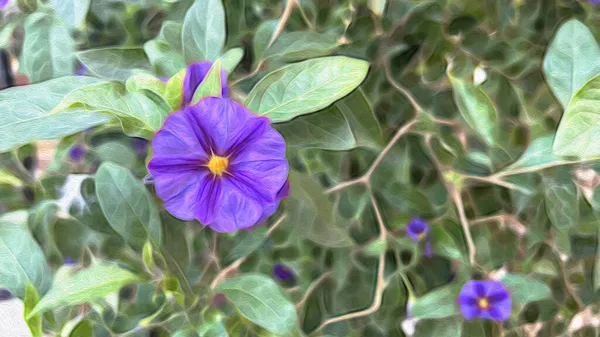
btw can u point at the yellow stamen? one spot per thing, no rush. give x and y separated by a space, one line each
483 303
218 165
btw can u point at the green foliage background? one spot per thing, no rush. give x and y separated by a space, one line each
479 116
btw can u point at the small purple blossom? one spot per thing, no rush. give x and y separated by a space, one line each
219 163
418 229
195 75
68 261
282 272
595 2
81 70
77 153
484 299
3 3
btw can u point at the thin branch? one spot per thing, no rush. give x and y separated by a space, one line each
366 178
235 265
311 288
397 86
381 283
456 198
285 16
247 76
493 180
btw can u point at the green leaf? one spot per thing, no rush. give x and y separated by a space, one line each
231 59
117 152
306 87
31 299
525 289
6 33
260 300
439 303
173 92
204 31
347 124
72 12
262 37
212 329
9 179
165 52
26 120
88 285
313 214
579 126
144 81
571 60
21 260
302 45
47 48
376 247
476 108
141 113
537 156
114 63
83 329
596 276
245 244
211 84
127 205
447 327
377 6
562 203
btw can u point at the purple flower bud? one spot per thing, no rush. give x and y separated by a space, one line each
219 300
68 261
282 272
485 300
195 75
77 153
140 145
81 69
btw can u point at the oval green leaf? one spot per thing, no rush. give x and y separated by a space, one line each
204 31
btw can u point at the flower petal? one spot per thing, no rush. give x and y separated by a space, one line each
180 139
499 311
180 190
233 209
194 76
470 311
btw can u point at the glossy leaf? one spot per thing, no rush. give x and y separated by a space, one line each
165 51
47 48
231 59
127 205
305 87
476 108
537 156
525 289
114 63
297 46
22 262
438 303
31 299
571 60
260 300
72 12
85 286
204 31
562 204
141 113
448 327
347 124
579 125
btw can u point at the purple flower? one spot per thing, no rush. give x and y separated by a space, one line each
418 229
81 69
595 2
140 146
68 261
484 299
282 272
219 163
77 153
3 3
195 75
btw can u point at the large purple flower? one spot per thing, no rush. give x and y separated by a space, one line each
484 299
194 76
219 163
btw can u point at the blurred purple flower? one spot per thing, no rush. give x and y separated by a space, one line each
484 299
595 2
418 229
81 69
193 78
282 272
219 163
140 146
3 3
68 261
77 153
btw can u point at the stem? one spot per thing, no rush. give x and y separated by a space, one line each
285 16
311 288
381 283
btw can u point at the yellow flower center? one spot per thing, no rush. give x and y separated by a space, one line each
483 303
218 165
